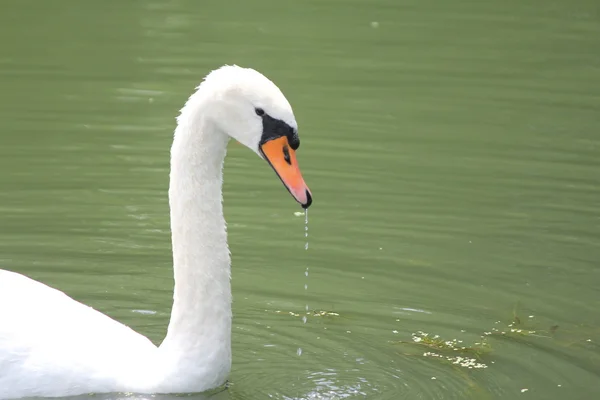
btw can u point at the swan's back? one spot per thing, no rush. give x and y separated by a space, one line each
50 343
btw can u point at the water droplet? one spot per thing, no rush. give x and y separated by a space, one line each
304 319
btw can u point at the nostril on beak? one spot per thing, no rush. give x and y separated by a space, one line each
308 200
286 155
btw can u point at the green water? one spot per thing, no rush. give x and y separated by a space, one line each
452 148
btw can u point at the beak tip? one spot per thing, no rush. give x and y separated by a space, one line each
308 200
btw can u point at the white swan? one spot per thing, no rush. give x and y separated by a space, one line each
52 345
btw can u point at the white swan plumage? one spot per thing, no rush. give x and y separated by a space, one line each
52 345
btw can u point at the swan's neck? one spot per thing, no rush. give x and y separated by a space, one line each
197 348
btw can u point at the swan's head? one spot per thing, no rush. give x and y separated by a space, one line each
250 108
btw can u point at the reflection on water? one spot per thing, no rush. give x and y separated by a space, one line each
453 150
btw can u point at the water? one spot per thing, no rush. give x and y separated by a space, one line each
306 231
453 154
306 248
304 318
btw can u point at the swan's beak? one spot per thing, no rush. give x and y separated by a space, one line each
282 158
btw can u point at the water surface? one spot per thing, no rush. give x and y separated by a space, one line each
452 150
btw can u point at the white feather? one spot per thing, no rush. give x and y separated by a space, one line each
52 345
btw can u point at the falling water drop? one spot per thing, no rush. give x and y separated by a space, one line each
304 318
306 247
306 228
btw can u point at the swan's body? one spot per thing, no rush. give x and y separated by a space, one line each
52 345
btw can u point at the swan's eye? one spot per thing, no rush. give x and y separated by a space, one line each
259 111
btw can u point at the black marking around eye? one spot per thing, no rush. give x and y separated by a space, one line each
276 128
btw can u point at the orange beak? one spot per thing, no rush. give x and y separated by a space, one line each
282 158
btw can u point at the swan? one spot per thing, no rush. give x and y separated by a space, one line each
52 345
